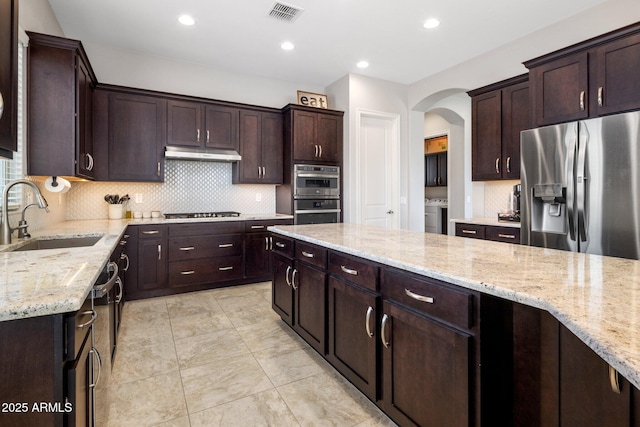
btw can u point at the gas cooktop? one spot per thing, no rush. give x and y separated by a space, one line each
201 215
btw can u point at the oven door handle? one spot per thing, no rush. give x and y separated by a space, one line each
305 211
317 175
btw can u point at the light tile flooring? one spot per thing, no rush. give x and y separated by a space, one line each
223 358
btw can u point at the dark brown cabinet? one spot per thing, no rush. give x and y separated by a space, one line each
152 257
436 170
589 79
202 125
489 232
261 148
499 113
316 136
258 245
8 77
129 132
281 288
60 126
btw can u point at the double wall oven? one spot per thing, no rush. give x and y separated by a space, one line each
316 194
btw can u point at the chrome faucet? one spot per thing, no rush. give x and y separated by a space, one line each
6 230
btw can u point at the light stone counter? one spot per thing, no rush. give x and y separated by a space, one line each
487 221
52 281
596 297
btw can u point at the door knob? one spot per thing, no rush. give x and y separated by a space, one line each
389 211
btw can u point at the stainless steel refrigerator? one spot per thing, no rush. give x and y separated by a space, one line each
581 186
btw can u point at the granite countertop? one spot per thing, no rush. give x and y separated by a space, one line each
596 297
486 221
52 281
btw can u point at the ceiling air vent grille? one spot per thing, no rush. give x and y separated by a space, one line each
285 12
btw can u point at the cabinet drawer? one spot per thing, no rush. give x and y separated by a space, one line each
503 234
151 231
78 326
354 270
428 296
470 230
261 225
184 273
186 248
201 229
283 245
311 254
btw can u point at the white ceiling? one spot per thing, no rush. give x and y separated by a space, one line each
330 36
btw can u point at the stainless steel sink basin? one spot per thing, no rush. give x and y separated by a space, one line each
71 242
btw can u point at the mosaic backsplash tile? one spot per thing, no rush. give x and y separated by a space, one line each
496 197
188 187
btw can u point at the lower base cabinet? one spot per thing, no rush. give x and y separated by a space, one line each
310 290
281 289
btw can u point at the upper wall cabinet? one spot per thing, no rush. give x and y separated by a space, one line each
316 134
8 77
589 79
202 125
60 93
130 130
499 113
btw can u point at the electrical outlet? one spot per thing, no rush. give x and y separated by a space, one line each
138 198
258 197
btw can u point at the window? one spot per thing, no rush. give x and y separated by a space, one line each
12 169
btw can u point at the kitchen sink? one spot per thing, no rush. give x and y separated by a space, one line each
71 242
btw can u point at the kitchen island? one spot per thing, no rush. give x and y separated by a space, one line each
596 298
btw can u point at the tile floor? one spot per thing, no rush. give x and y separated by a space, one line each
223 358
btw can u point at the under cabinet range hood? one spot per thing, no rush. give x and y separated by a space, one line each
202 154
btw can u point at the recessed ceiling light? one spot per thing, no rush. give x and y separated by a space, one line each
362 64
287 46
186 20
431 23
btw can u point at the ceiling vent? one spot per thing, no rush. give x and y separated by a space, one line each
285 12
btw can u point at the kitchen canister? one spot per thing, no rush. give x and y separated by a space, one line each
115 211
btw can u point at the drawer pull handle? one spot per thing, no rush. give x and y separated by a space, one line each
187 248
614 380
469 231
418 297
151 232
257 227
349 271
225 245
307 254
367 320
225 268
383 337
187 273
94 316
507 236
281 245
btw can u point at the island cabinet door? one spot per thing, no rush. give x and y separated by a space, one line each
352 334
426 370
281 288
309 285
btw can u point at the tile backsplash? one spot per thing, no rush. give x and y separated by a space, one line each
188 187
496 196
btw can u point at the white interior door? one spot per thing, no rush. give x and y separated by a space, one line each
378 171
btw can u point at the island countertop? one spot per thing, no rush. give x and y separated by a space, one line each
596 297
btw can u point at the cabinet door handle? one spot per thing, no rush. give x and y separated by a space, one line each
320 150
259 172
418 297
126 258
187 273
286 275
159 252
151 232
198 135
120 290
280 245
89 161
507 236
498 165
307 254
469 231
600 96
208 140
383 336
509 164
266 243
1 105
582 101
225 245
367 321
614 380
225 268
316 154
91 321
435 181
158 172
349 271
270 243
187 248
293 279
96 357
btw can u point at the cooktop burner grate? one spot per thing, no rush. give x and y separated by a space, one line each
202 215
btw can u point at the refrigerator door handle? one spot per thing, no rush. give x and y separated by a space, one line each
571 186
581 179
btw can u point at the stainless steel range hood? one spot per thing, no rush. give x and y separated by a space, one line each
203 155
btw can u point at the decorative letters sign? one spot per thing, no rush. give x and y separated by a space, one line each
311 99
